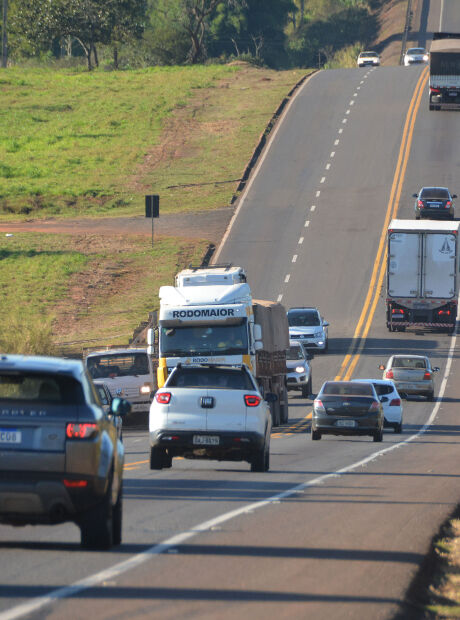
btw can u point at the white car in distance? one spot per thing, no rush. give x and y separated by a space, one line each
210 412
391 402
368 59
415 55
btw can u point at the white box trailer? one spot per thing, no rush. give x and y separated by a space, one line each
422 274
445 71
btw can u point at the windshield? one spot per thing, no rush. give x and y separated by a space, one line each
40 388
118 365
434 192
294 353
416 50
204 340
303 318
215 378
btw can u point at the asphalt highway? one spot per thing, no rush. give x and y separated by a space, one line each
336 528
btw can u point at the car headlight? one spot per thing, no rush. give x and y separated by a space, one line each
425 57
300 369
145 389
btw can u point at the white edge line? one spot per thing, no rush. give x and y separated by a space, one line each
135 561
255 172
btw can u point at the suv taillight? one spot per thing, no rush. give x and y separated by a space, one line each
396 402
420 203
427 375
81 431
163 398
251 400
389 374
374 406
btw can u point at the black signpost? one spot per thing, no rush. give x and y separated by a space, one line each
152 208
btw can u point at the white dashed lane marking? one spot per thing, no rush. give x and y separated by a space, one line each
307 224
313 207
336 142
322 179
318 193
287 278
328 166
300 240
280 297
332 154
294 258
341 130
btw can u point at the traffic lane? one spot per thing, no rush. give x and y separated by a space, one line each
346 548
450 18
433 158
272 219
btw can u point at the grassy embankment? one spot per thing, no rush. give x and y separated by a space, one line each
73 143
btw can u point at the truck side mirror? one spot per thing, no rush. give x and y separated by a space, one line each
257 331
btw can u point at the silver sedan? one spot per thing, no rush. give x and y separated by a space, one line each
412 374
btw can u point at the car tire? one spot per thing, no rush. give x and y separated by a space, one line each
157 458
430 397
96 526
306 390
315 435
398 427
275 409
417 217
378 435
260 461
117 518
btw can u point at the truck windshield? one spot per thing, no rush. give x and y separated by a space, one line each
117 365
204 340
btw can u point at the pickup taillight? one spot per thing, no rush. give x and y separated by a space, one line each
433 89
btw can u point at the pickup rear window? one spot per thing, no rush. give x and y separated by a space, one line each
212 378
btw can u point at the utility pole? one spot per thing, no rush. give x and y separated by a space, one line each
4 35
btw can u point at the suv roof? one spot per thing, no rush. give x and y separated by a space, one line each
41 364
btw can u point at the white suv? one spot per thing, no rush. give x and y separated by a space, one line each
210 412
308 326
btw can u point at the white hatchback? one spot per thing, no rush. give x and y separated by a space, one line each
391 402
210 412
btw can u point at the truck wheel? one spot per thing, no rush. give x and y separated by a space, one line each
96 526
284 407
275 410
156 458
315 435
167 460
398 427
431 106
417 217
117 518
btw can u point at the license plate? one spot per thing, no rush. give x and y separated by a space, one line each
10 435
206 440
347 423
406 386
452 94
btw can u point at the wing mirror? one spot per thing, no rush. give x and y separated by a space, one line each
454 195
435 368
326 323
383 399
120 406
414 195
270 397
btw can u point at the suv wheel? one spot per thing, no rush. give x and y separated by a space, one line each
315 435
117 518
96 526
284 414
261 459
157 458
398 427
430 397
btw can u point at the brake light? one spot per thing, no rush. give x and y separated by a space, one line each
420 203
396 402
448 203
251 400
375 406
434 90
444 312
389 374
427 375
81 431
163 398
397 311
75 484
318 405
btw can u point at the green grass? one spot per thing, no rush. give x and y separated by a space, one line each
60 289
79 143
71 139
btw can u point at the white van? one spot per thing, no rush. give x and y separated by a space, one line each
128 373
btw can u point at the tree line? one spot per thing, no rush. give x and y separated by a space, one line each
277 33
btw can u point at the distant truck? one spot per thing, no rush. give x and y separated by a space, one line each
445 71
422 280
209 317
128 373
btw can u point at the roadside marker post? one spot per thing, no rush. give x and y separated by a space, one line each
152 208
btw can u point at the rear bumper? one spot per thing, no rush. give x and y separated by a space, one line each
414 390
232 445
364 425
28 498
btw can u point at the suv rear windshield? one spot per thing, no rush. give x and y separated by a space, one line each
303 318
117 365
214 378
40 388
434 192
